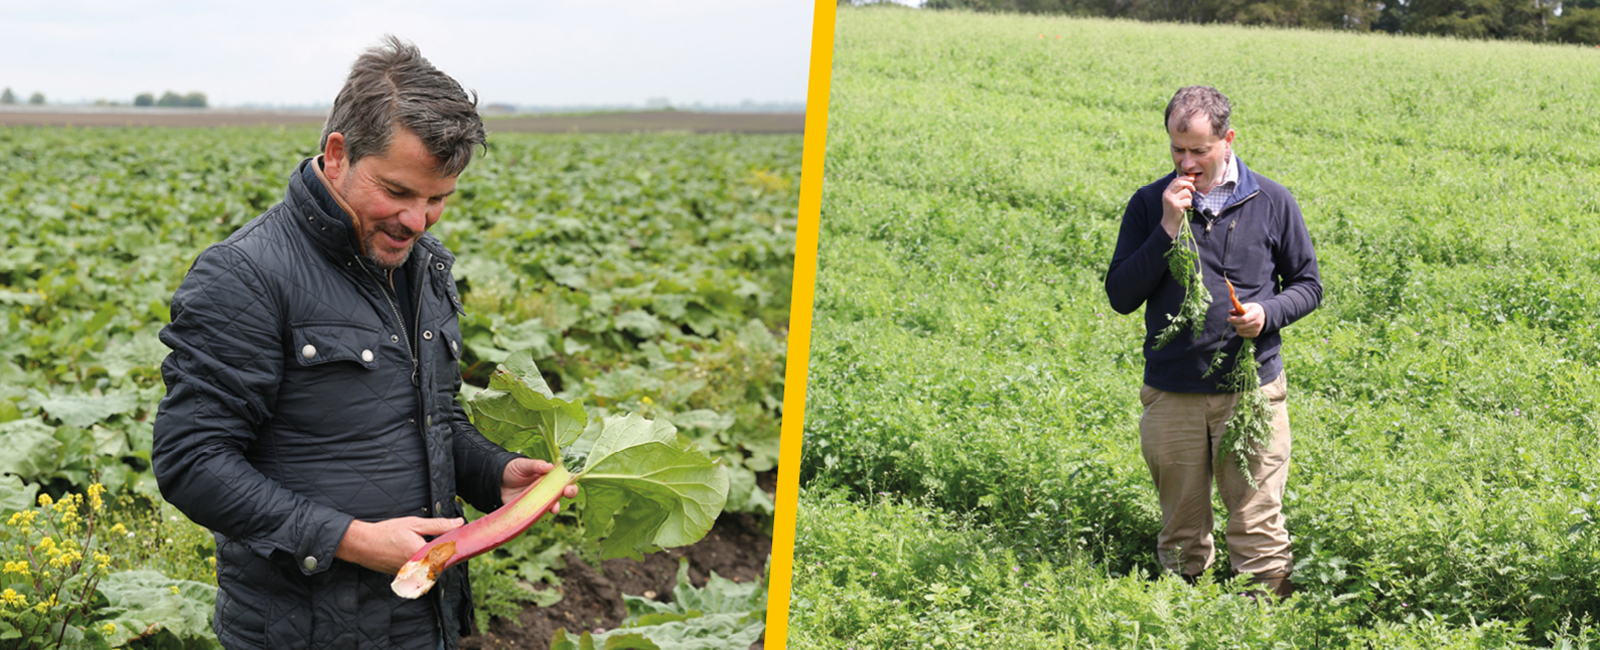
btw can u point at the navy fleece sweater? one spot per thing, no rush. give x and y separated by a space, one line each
1258 239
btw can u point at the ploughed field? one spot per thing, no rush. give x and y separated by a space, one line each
648 273
598 122
971 474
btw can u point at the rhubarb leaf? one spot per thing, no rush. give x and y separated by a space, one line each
558 421
585 641
503 421
644 488
724 615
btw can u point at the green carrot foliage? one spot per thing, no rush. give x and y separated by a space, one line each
1249 429
1183 259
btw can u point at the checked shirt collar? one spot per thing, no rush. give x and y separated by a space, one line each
1217 199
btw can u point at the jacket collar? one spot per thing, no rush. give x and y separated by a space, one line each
1247 186
334 234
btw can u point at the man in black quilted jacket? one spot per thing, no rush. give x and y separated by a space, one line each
311 419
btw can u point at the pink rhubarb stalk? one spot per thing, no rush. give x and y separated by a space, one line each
484 534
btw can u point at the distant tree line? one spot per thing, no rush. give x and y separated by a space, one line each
1561 21
7 97
168 99
172 99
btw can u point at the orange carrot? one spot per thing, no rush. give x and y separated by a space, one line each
1238 309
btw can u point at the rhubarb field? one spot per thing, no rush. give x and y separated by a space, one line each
647 274
971 474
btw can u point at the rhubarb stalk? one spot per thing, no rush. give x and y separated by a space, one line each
644 486
483 534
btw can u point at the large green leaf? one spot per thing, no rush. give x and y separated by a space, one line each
719 596
82 411
723 615
28 448
122 356
532 335
645 488
505 422
142 603
523 414
16 495
615 640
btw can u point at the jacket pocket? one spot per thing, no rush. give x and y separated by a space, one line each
320 343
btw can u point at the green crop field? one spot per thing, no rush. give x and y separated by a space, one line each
971 476
648 274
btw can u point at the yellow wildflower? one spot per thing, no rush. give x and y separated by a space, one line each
45 501
102 559
13 599
173 589
66 559
20 567
118 529
23 520
108 629
95 490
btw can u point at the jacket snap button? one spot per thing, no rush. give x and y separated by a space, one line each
394 338
308 351
438 266
427 334
310 563
453 347
366 355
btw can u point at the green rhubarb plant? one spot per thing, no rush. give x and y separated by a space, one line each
642 487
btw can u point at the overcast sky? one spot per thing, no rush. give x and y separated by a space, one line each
297 52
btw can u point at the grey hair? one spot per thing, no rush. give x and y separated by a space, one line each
1200 100
391 85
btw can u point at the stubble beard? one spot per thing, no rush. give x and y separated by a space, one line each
369 249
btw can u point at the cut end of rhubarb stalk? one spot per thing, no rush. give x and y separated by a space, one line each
417 576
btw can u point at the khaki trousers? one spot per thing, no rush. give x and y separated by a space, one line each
1179 435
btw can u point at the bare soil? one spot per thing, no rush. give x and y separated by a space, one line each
736 548
617 122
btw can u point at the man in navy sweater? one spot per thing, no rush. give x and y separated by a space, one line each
1249 231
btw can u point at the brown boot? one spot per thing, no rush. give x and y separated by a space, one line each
1280 587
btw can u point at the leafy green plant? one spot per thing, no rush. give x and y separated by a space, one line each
641 487
53 562
1249 426
1183 261
62 589
723 615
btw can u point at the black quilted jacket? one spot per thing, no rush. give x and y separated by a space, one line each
293 406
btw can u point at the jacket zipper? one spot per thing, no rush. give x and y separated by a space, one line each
1228 240
1227 243
423 283
411 352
